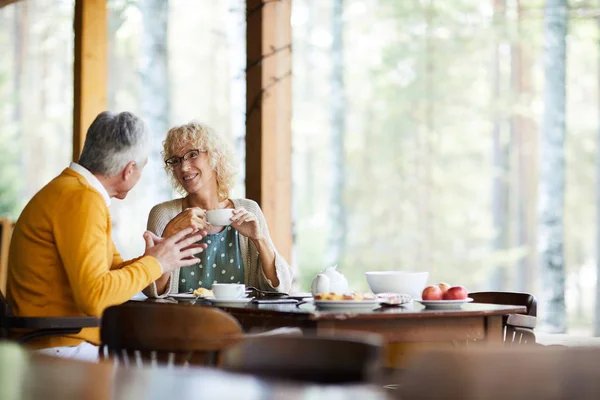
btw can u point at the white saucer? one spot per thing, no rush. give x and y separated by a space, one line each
444 304
229 302
189 296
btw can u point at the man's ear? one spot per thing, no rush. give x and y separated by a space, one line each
128 170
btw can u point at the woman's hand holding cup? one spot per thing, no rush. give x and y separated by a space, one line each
193 217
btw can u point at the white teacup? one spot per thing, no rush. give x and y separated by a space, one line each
229 290
220 217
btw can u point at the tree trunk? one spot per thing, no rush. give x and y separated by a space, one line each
552 170
236 32
500 187
424 149
308 94
597 309
155 97
522 135
337 233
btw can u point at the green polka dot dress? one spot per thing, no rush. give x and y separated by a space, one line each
221 262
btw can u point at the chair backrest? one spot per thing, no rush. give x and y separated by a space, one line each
161 333
4 312
306 358
6 228
4 306
513 335
510 298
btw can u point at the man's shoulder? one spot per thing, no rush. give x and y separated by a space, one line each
65 186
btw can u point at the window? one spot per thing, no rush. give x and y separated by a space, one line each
416 142
171 62
36 97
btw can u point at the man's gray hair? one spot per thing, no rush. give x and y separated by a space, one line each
112 141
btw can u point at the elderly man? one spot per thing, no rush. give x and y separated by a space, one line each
62 260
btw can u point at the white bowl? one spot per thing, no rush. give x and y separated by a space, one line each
411 283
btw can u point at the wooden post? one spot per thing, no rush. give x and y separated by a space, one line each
6 2
268 115
90 69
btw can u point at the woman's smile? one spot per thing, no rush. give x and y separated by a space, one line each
189 177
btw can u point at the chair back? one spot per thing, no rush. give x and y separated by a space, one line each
516 330
510 298
6 228
306 358
4 312
138 333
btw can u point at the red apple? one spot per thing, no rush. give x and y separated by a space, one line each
444 287
432 292
456 293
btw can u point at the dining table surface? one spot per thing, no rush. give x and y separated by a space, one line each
28 375
403 328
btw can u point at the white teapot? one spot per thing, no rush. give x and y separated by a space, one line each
329 281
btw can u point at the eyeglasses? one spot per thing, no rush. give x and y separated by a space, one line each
175 161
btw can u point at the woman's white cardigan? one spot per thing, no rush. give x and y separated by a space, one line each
161 214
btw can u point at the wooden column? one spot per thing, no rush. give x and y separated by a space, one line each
6 2
268 116
90 69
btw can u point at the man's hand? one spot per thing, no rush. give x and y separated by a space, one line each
176 251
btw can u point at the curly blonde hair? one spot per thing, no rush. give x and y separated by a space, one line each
202 137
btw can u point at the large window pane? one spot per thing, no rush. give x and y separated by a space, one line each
36 97
442 111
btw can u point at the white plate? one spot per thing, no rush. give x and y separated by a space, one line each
229 302
444 304
346 304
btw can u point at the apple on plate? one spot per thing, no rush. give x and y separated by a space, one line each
444 287
456 293
432 292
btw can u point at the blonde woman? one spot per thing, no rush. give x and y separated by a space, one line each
201 167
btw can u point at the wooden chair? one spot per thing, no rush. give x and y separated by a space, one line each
138 333
6 228
36 327
518 328
306 358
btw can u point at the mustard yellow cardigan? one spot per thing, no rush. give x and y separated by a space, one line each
63 262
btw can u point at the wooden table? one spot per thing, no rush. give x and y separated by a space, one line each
397 325
25 375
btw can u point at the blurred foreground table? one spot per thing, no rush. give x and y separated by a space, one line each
25 375
531 372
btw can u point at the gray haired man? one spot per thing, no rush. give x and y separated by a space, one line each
62 260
